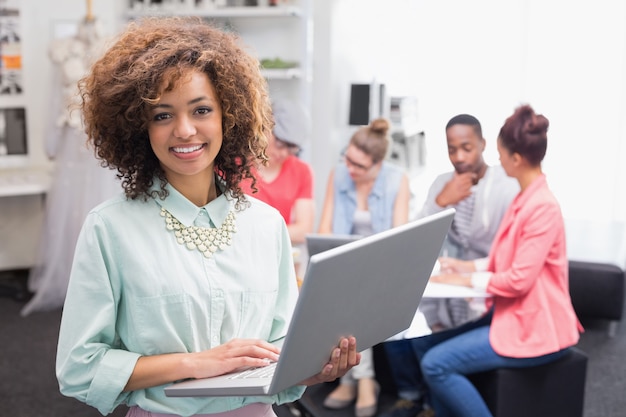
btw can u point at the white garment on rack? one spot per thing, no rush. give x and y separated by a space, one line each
78 184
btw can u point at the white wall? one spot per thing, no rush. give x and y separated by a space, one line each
485 57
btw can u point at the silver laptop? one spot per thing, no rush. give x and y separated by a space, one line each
369 288
318 243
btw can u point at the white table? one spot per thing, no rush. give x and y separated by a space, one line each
418 326
20 182
438 290
22 206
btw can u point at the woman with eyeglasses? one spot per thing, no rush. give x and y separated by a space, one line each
364 195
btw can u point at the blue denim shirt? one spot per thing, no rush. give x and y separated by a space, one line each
381 200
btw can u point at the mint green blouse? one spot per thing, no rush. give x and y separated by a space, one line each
135 291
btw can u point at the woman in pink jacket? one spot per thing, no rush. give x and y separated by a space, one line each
532 318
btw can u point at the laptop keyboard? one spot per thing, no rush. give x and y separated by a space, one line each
260 372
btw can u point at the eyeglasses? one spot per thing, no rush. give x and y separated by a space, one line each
292 148
351 163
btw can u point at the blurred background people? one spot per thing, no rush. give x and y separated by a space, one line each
286 182
480 194
364 195
531 320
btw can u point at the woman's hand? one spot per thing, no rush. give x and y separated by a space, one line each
233 355
452 265
452 279
342 359
151 371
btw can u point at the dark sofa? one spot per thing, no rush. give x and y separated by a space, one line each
597 265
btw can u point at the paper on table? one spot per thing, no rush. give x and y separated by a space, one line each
438 290
418 328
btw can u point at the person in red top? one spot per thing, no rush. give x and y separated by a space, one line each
286 182
531 320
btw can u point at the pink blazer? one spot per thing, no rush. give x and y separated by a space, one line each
533 312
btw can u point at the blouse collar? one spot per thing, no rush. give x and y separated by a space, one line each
186 212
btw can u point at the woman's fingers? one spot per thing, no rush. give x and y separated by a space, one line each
250 347
354 357
342 359
234 355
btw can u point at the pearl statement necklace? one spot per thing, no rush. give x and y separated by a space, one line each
205 239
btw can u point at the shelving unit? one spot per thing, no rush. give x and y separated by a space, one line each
270 32
220 12
282 74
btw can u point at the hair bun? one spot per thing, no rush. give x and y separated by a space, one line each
380 126
534 123
538 124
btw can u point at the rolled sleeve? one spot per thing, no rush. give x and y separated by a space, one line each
290 394
110 378
90 366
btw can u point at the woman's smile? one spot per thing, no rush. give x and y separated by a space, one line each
188 151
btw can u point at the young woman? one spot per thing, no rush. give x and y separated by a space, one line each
531 319
286 181
364 195
183 276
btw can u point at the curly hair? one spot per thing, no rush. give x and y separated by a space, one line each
525 133
373 140
149 58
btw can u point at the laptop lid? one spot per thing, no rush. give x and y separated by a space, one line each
369 288
317 243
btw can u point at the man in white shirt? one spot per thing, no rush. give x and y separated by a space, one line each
480 194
